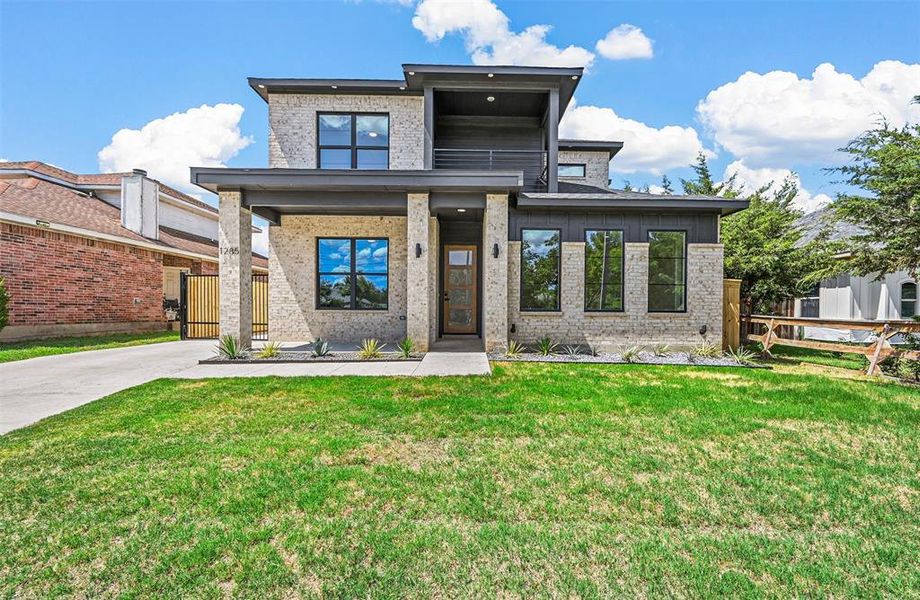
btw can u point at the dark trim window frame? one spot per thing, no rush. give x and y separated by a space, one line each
658 309
558 282
605 272
810 303
582 166
353 146
352 274
912 286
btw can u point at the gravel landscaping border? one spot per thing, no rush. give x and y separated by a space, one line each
307 357
611 358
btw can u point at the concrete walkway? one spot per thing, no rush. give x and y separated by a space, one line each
33 389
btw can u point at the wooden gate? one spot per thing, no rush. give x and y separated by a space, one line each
731 314
199 307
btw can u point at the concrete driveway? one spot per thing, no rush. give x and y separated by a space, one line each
33 389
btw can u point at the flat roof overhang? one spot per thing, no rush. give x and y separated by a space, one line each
611 202
592 146
271 193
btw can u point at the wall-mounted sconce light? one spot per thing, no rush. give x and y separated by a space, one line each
418 251
495 250
703 330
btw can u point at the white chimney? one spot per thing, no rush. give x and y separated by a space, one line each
140 204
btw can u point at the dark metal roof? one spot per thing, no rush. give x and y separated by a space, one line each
389 87
621 200
592 146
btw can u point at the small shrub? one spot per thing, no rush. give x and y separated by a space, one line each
370 348
592 350
742 356
406 347
546 346
631 354
320 347
4 304
270 350
514 349
229 347
571 350
662 350
706 350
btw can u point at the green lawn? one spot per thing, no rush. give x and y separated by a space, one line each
23 350
810 356
543 480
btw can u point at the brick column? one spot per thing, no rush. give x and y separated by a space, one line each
417 270
235 268
495 272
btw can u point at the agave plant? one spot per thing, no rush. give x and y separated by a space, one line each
630 354
370 348
229 347
571 350
706 350
406 347
546 346
662 350
270 350
742 356
592 350
320 347
514 349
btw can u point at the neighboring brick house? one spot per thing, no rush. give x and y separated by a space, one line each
76 263
444 204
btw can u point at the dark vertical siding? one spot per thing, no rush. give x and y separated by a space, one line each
701 228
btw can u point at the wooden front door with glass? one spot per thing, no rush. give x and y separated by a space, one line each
460 311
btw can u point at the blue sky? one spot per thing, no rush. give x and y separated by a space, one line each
72 74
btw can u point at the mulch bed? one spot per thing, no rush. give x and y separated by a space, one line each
307 357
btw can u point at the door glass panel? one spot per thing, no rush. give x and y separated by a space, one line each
460 277
460 257
460 317
463 297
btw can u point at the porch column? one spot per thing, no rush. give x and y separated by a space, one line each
235 268
495 272
417 269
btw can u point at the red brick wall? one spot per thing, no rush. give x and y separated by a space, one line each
195 267
56 278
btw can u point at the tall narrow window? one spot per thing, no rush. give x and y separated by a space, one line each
667 271
352 273
908 300
353 141
603 270
540 255
810 305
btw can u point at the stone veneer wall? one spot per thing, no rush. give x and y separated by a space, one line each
292 126
292 313
634 326
434 298
597 166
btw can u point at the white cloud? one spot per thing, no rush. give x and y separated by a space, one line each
206 136
624 42
754 179
646 149
778 118
260 240
488 36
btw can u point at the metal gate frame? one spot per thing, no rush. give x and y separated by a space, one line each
199 306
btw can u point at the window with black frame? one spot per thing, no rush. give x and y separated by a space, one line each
603 270
353 141
908 300
667 271
352 273
810 304
540 255
571 169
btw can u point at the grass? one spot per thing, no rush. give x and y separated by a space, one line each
840 360
23 350
543 480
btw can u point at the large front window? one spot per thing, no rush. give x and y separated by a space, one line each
352 273
667 271
540 254
603 270
354 141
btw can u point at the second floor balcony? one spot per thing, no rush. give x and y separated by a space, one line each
531 162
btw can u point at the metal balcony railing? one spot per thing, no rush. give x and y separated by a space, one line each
531 162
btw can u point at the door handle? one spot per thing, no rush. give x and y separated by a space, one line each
446 296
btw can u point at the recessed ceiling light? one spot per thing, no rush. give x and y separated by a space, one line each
491 75
490 98
461 210
574 76
335 87
402 87
261 87
411 72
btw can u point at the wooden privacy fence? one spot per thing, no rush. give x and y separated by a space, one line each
199 307
731 314
877 351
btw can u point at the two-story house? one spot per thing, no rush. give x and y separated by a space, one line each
444 204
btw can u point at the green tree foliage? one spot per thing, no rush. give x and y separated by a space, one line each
885 164
540 269
705 186
666 186
4 302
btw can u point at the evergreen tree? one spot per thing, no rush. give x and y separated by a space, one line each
627 187
704 185
666 186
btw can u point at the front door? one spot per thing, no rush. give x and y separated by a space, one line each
459 288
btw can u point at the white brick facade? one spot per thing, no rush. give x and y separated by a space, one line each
597 166
292 126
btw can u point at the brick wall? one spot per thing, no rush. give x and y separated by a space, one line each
292 126
635 325
56 278
292 313
195 267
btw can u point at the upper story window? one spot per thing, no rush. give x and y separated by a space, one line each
571 169
541 252
353 141
667 271
908 300
603 270
352 273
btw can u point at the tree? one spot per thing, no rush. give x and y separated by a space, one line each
666 187
886 164
704 185
627 187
